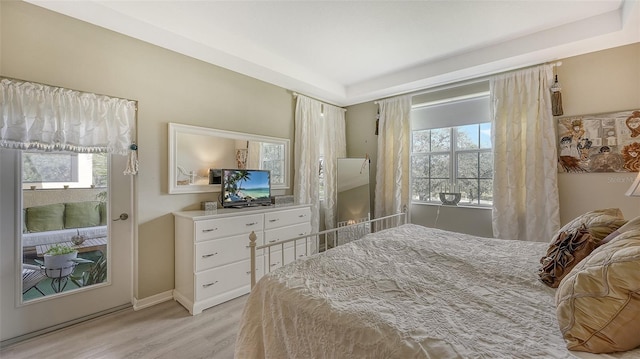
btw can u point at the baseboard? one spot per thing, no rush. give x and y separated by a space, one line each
152 300
11 341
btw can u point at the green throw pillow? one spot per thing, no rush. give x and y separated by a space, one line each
45 218
103 213
82 214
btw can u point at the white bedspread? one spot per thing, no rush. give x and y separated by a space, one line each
409 292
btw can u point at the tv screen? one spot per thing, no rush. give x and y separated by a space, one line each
241 188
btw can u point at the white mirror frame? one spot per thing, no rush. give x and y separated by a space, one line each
176 129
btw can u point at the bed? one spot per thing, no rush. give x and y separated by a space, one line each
408 292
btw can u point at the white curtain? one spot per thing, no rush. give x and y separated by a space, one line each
334 146
525 189
36 116
307 155
319 129
394 147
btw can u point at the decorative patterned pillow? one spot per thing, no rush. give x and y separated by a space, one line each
598 302
564 253
600 223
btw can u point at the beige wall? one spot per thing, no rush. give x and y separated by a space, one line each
603 81
593 83
42 46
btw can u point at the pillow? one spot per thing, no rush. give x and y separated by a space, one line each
564 253
82 214
600 223
598 302
45 218
630 225
103 213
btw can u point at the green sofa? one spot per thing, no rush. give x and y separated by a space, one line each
58 222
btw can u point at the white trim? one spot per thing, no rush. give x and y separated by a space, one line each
152 300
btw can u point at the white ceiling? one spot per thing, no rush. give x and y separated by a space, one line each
348 52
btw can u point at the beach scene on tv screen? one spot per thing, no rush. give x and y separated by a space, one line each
246 185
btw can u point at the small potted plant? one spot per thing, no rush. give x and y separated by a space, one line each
58 260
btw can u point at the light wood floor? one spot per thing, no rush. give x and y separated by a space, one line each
165 330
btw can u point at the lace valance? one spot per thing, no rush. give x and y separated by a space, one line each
36 116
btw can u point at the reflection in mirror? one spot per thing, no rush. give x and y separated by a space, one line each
353 190
64 226
197 153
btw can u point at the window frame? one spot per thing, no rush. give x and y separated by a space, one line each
451 114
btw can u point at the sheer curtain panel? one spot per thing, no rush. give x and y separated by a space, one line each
307 155
334 146
320 130
525 188
394 147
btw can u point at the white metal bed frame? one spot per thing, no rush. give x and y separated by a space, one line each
335 236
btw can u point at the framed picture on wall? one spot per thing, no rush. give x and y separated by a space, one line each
607 142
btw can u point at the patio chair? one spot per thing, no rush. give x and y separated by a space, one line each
31 276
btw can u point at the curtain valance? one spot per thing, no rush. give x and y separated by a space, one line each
36 116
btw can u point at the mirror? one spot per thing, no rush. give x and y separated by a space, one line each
353 190
194 151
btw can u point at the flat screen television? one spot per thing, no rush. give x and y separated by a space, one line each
242 188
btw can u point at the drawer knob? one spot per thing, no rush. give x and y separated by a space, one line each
274 220
251 224
209 255
274 264
209 230
209 284
302 216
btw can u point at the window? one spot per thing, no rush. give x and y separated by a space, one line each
272 159
58 169
454 158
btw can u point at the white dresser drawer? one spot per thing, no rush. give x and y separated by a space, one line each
224 227
222 251
278 234
287 217
220 280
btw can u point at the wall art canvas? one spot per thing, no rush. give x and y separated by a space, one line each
608 142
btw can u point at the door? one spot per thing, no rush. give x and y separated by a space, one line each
69 299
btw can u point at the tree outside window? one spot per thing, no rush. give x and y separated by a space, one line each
453 159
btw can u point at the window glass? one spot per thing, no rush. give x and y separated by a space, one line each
421 141
440 166
58 169
485 135
440 139
49 167
466 168
468 165
467 137
272 157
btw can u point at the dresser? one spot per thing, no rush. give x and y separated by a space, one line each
212 257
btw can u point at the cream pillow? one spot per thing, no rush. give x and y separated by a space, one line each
630 225
598 302
600 223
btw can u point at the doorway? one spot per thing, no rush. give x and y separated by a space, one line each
93 216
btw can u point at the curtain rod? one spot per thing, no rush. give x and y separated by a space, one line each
295 94
470 81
